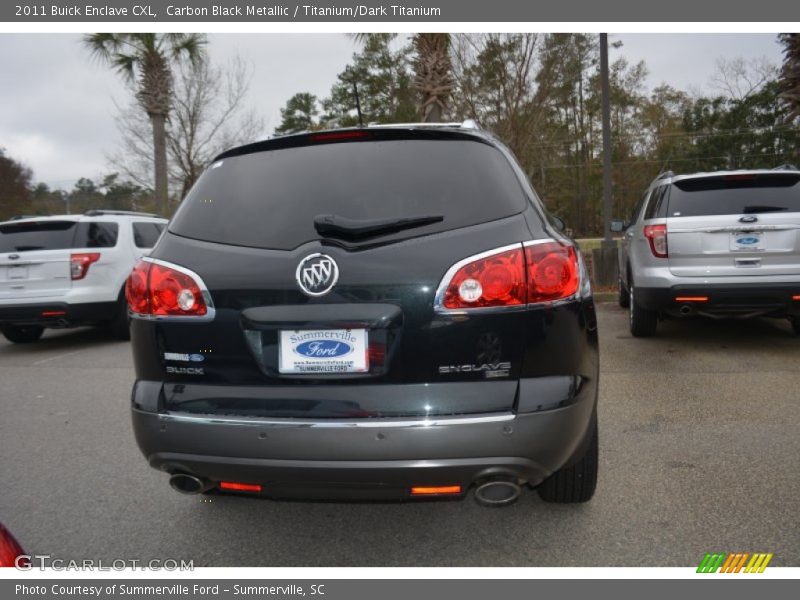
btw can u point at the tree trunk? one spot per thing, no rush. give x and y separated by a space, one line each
433 114
160 163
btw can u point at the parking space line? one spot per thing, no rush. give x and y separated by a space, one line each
45 360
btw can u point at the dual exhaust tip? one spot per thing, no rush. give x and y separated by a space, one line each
492 493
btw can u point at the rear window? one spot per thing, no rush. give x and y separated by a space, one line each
56 235
269 199
735 194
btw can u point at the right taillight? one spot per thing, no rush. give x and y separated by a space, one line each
657 236
160 290
553 272
492 279
512 276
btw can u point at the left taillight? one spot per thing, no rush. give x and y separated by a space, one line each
79 263
512 276
11 553
160 290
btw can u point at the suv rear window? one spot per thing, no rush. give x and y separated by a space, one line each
269 199
735 194
145 235
56 235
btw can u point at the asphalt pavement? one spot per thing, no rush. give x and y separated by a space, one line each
699 447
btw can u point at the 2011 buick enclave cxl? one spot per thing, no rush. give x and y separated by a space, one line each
381 313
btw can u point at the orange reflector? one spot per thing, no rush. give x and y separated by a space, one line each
435 490
691 299
239 487
795 297
53 313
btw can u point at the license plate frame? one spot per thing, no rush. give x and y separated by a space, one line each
323 351
751 241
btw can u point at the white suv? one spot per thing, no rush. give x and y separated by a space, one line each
70 270
723 245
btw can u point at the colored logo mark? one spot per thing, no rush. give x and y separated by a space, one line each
734 562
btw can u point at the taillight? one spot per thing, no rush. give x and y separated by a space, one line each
512 276
494 279
239 487
552 271
10 550
160 290
657 236
80 263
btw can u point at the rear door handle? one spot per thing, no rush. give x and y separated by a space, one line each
748 262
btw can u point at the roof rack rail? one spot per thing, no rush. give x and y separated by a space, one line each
18 217
466 124
665 175
785 167
97 212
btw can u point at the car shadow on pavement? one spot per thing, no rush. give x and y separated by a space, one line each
64 340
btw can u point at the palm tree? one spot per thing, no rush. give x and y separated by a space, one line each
144 59
433 74
790 73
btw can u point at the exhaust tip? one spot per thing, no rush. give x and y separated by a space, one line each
498 492
188 484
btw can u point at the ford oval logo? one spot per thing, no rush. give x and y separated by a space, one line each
747 241
324 349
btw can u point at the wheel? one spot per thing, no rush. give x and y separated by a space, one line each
795 321
22 334
643 322
120 325
623 298
577 482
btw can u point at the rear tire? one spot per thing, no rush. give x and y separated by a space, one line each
22 334
643 322
120 325
624 297
577 482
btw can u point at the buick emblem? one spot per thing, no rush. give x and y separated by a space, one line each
317 274
748 219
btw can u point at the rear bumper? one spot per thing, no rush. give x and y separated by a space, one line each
57 314
367 458
776 299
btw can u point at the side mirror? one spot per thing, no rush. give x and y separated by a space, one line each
558 222
618 226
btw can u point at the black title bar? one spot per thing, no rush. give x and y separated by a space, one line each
371 11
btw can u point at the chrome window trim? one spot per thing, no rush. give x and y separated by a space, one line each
387 422
210 310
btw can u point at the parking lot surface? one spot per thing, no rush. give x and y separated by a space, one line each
699 451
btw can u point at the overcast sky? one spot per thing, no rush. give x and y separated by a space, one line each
57 107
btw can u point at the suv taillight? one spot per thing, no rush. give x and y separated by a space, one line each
657 236
493 279
79 263
159 290
516 276
552 271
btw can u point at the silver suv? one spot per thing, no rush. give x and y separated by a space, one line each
722 244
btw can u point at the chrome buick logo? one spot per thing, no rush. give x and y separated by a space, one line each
317 274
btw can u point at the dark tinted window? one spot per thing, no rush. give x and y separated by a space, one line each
269 199
96 235
735 194
657 206
36 235
145 235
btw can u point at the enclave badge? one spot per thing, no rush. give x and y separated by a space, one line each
317 274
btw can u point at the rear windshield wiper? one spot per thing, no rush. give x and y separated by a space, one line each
759 209
342 227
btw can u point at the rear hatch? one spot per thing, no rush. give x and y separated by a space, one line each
35 258
391 212
738 224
